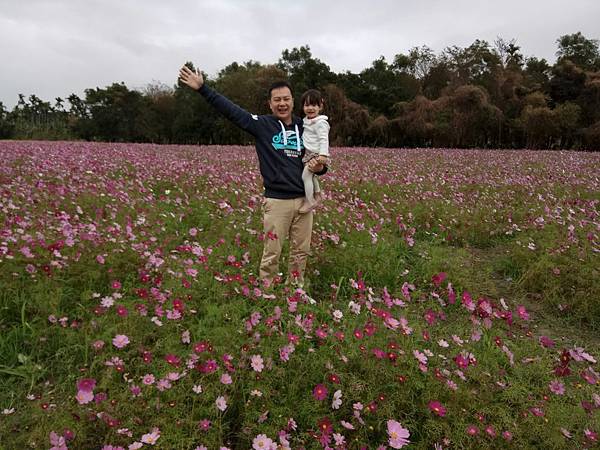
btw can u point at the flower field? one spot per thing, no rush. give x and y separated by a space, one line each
457 302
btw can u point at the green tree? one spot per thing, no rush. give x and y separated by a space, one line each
6 124
159 112
417 63
115 113
349 120
567 120
247 85
567 82
540 126
384 86
537 74
304 71
590 99
578 49
195 120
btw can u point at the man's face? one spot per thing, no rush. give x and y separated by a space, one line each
282 104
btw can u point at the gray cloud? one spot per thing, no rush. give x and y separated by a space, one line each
54 48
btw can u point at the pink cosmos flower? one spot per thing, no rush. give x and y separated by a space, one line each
204 424
151 437
522 312
221 403
437 408
420 357
320 392
438 278
545 341
120 341
148 379
257 363
262 442
589 376
163 384
557 387
397 434
339 439
173 360
84 397
538 412
57 442
226 379
136 391
590 435
472 430
337 399
347 425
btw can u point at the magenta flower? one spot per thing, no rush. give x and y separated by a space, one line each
397 434
438 278
590 435
546 342
204 424
320 392
437 408
173 360
472 430
86 384
538 412
522 312
588 375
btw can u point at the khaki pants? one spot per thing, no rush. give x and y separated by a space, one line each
282 221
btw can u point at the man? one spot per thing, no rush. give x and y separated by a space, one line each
280 150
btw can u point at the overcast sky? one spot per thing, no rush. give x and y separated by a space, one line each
53 48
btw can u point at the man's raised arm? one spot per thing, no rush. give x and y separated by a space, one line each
239 116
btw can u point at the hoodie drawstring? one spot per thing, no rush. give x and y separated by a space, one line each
285 136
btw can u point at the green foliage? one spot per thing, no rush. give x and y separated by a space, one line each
483 95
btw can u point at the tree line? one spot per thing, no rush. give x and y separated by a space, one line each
484 95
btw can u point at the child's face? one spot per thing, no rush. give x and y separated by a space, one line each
312 111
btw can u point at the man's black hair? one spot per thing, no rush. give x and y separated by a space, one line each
280 84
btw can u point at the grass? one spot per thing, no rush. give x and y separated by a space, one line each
483 234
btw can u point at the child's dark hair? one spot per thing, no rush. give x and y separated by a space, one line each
311 97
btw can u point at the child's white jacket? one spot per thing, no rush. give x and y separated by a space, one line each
316 135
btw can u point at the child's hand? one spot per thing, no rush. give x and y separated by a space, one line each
314 165
323 159
192 79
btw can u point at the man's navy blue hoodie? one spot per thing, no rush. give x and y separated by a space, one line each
279 146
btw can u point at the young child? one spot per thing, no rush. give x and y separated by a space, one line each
316 143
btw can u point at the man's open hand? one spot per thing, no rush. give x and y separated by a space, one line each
192 79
